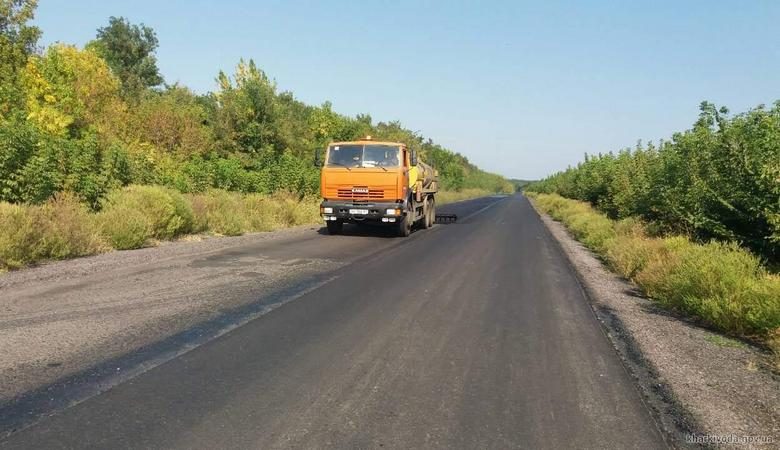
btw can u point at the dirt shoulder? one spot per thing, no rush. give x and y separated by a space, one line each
78 321
696 381
61 318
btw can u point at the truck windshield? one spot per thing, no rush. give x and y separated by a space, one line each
363 156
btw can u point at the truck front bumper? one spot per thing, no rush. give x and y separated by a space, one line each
348 212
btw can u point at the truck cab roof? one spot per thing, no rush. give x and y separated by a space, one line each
367 142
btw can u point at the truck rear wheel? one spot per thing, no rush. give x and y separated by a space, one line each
431 217
335 226
426 220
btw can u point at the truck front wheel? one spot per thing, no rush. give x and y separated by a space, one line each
335 226
405 225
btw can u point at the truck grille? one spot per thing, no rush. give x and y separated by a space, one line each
373 193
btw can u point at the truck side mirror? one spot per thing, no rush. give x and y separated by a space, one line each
413 158
318 158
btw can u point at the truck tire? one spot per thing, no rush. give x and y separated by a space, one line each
405 225
335 226
431 212
426 220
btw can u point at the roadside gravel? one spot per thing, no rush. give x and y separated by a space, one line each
62 317
62 322
695 380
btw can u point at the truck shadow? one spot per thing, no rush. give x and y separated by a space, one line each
365 231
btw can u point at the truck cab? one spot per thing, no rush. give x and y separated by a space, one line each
377 182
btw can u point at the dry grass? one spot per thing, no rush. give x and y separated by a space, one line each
136 216
61 228
231 213
720 284
444 197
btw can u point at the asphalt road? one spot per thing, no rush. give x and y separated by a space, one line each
471 335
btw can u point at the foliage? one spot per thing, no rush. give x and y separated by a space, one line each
61 228
719 180
443 197
91 122
134 216
35 165
129 51
231 214
168 214
172 121
71 90
718 283
17 43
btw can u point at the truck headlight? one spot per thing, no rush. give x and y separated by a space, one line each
327 210
393 212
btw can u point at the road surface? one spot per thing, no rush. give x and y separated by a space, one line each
471 335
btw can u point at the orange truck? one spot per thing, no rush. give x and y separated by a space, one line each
382 183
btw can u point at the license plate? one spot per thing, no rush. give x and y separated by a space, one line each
358 211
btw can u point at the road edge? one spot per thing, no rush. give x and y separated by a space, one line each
702 388
675 422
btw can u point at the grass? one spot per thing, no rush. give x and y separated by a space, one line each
720 284
61 228
444 197
138 216
722 341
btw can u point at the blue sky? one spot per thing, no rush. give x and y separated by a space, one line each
521 88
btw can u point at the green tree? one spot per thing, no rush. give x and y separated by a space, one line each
173 121
17 43
70 90
129 51
247 116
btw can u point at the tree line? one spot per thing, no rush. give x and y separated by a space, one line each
719 180
89 120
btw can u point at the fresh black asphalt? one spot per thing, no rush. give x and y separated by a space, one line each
470 335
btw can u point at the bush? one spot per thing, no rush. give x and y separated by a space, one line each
718 180
219 212
630 254
167 212
18 235
126 228
297 211
259 212
721 284
61 228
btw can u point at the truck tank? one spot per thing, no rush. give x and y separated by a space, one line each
426 174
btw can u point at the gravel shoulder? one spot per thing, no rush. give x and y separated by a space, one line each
70 318
696 381
63 317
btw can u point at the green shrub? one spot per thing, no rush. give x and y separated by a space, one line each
126 228
629 254
168 213
721 284
69 229
219 212
258 212
19 233
61 228
594 230
288 210
718 180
